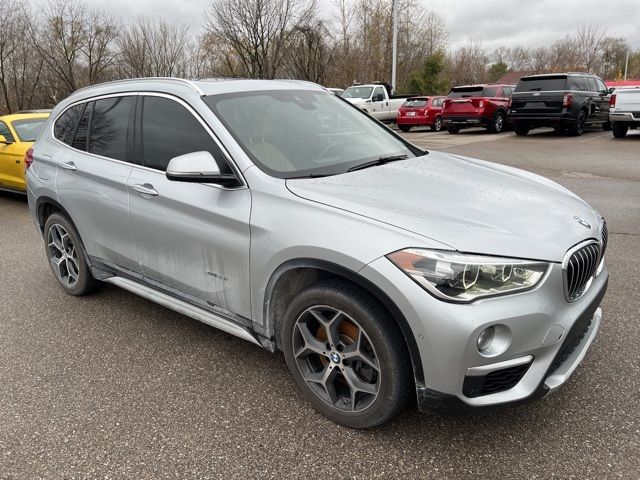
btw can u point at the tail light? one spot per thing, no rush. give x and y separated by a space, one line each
28 159
481 104
612 101
510 102
424 112
567 100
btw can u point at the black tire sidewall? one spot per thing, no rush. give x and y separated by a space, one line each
388 342
86 282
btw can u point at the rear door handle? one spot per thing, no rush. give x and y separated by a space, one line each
69 166
145 189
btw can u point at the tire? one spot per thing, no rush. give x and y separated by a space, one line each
620 130
497 126
383 369
67 257
606 126
437 125
521 129
453 129
577 127
404 128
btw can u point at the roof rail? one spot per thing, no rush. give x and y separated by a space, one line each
183 81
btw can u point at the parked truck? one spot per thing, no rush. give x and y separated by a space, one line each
377 99
624 110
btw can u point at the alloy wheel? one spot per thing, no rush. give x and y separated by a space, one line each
63 256
437 126
336 358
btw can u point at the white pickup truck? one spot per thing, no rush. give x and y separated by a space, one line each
624 110
376 99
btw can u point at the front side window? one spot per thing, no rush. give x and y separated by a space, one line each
170 130
600 86
6 133
29 129
378 94
65 126
80 138
109 127
293 133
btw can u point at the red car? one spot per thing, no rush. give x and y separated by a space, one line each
477 106
421 112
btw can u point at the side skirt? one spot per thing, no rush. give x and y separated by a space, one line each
185 308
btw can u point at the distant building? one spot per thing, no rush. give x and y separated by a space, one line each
512 78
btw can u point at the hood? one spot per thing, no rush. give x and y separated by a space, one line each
356 101
470 205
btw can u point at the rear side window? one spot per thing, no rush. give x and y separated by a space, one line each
416 103
460 92
580 84
507 91
80 138
65 126
542 84
169 130
6 133
490 92
109 126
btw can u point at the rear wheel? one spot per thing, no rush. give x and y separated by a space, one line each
577 127
521 129
404 128
497 125
453 129
437 125
620 130
346 354
66 256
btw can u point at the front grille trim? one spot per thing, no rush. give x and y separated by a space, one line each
579 268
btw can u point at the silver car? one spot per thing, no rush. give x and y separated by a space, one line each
279 213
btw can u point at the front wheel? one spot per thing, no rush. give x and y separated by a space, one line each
620 130
497 125
346 354
66 256
437 125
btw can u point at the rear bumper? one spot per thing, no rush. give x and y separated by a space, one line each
538 120
625 117
462 121
417 120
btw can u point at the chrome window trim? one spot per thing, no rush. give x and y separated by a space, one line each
565 263
191 110
183 81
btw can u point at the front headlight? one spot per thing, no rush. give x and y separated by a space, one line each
464 278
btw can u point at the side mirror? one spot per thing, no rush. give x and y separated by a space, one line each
378 98
197 167
4 140
612 89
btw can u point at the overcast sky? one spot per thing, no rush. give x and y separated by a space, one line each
494 23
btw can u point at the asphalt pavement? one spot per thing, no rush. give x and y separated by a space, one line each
114 386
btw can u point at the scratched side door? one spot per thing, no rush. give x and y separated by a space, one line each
190 237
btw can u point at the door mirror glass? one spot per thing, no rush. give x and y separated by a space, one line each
4 140
612 89
194 167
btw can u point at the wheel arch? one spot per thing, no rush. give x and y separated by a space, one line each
295 275
45 206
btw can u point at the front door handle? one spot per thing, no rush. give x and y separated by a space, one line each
145 189
69 166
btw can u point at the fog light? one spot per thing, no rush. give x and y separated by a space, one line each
485 339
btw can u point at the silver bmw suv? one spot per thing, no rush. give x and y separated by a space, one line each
279 213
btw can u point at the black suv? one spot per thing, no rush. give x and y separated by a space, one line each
565 101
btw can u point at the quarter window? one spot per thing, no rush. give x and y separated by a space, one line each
170 130
6 133
109 127
80 138
66 124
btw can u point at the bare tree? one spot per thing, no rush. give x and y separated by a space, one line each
468 64
151 48
588 42
259 31
310 52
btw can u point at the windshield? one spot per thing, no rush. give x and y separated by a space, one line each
415 103
28 130
357 92
291 133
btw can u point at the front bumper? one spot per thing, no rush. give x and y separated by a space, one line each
541 324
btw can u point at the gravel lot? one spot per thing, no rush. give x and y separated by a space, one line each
113 386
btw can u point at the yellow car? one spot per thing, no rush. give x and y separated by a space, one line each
17 133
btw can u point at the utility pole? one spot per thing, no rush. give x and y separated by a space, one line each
626 66
394 60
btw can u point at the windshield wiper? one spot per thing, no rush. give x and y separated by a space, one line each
312 175
378 161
